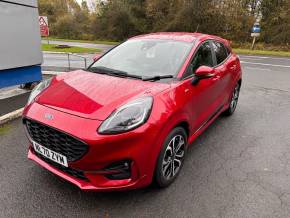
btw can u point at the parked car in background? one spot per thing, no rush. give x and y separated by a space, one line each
129 118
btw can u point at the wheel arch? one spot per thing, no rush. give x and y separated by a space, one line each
185 126
172 124
175 120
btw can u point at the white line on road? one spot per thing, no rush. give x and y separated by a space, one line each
263 57
272 65
257 68
252 59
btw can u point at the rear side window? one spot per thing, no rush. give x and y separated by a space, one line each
220 51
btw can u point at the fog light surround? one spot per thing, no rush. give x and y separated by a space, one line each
118 170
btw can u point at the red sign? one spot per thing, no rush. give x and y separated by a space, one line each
43 23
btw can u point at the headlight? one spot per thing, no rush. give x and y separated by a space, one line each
38 89
127 117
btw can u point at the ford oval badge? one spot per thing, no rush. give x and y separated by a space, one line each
48 116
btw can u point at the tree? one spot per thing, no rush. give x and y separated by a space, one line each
115 19
120 19
276 21
61 17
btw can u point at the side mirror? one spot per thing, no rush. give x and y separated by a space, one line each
203 72
96 56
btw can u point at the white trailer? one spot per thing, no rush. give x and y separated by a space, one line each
20 42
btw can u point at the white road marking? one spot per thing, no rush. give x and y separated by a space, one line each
263 64
253 59
249 56
257 68
263 57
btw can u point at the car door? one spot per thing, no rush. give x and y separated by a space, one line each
203 96
224 65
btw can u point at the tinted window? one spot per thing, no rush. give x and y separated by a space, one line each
203 57
220 52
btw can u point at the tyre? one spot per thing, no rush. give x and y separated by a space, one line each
171 157
234 101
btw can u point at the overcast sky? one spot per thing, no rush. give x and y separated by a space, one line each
89 2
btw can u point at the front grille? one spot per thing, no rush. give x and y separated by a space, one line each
73 172
56 140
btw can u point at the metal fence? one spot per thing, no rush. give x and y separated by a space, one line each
75 55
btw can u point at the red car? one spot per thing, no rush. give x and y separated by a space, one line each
128 119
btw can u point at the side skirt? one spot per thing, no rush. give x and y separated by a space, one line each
206 124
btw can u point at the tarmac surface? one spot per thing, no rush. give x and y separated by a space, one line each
239 167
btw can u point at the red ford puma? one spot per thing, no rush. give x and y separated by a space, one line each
127 120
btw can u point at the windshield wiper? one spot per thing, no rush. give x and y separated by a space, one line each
154 78
95 70
112 72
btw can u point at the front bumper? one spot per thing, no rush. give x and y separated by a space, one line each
90 185
136 146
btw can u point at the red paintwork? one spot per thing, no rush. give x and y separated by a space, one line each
80 101
94 96
178 36
204 71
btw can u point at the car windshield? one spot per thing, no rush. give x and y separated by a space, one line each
146 58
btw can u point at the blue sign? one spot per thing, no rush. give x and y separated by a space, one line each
256 28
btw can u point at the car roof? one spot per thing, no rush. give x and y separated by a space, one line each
178 36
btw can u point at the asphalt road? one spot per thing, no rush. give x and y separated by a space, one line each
79 44
13 98
59 62
239 167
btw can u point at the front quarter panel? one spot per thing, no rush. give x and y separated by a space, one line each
170 109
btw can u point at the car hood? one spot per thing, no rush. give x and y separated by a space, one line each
94 96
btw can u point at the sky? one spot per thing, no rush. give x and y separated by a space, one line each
89 2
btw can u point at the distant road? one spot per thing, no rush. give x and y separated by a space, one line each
59 62
251 62
80 44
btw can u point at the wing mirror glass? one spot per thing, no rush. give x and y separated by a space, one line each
203 72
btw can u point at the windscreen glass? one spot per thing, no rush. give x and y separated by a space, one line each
146 57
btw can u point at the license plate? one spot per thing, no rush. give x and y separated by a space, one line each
52 155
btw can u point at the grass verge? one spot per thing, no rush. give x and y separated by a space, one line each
51 47
4 128
105 42
261 52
